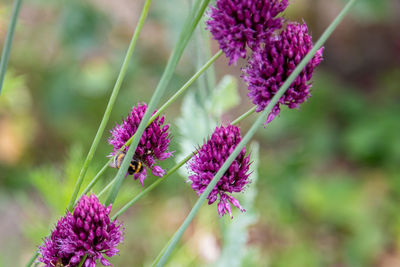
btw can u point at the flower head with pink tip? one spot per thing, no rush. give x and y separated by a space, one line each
210 158
87 231
270 66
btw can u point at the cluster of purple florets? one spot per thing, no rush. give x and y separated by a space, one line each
277 47
153 144
271 65
209 159
238 24
88 231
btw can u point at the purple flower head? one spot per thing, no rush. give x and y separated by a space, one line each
88 231
271 65
210 157
237 23
153 144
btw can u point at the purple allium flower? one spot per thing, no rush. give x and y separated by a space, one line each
153 144
271 65
237 23
210 157
88 231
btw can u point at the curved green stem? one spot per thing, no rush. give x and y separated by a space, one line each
190 24
260 121
32 259
154 263
244 115
106 188
92 182
110 104
82 261
5 55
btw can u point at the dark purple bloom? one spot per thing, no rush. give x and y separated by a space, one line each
88 231
153 144
237 23
210 157
271 65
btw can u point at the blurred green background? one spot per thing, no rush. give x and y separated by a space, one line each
328 187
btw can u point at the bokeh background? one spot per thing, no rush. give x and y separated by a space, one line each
328 186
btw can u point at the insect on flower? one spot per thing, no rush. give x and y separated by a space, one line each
135 166
152 147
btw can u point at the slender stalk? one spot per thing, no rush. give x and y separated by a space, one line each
82 261
92 183
158 181
32 259
200 56
160 254
106 188
111 103
190 24
260 120
5 55
245 115
210 73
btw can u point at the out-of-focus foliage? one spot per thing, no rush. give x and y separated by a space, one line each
328 178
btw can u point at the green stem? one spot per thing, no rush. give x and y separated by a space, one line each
82 261
158 181
32 259
106 188
92 182
160 254
210 73
110 104
203 90
5 55
260 121
190 24
244 115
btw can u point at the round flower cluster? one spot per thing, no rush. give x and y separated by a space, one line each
236 24
88 231
275 52
271 65
209 159
153 144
